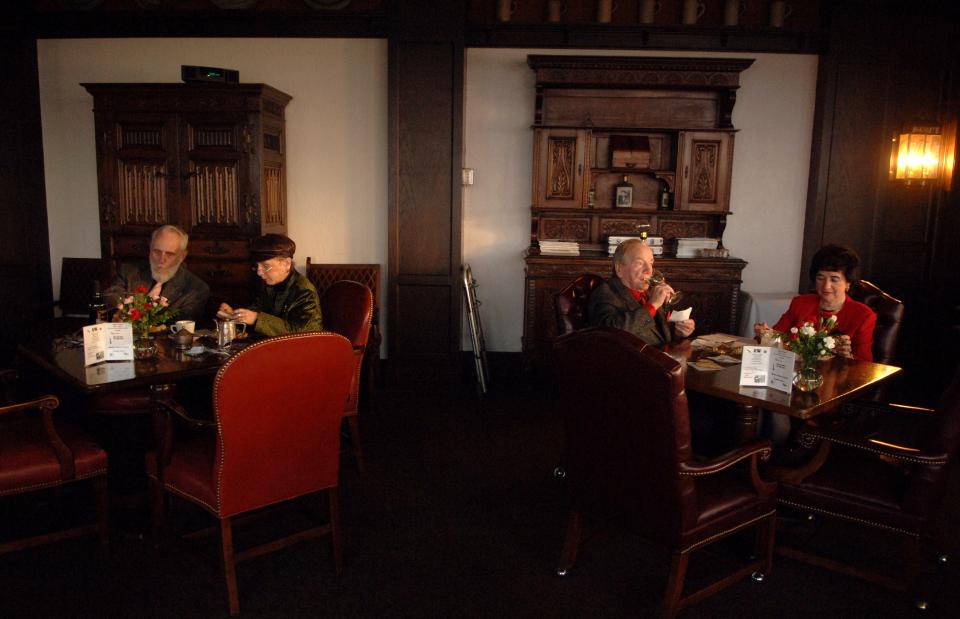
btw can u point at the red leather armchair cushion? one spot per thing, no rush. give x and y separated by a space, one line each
27 461
570 303
347 310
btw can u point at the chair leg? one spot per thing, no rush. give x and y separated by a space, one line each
914 565
568 556
354 424
157 510
229 564
334 499
764 542
103 510
678 575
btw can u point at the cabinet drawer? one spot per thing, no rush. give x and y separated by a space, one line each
230 249
217 273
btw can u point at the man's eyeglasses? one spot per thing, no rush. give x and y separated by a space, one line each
261 266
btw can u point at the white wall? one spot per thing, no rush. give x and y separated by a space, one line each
336 133
337 153
774 113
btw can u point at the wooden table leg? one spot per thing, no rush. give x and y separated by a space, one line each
748 417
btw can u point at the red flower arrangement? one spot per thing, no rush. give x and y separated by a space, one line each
143 311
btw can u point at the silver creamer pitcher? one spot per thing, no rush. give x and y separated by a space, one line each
227 331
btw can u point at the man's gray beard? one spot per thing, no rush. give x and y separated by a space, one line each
163 278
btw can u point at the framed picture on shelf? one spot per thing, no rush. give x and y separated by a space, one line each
624 196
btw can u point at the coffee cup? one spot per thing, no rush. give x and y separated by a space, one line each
779 11
185 325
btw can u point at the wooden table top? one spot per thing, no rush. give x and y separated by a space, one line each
49 350
842 379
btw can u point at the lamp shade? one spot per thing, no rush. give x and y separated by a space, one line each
915 154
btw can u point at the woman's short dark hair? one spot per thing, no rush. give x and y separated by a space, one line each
836 258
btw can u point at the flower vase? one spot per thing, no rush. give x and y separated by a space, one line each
808 377
143 345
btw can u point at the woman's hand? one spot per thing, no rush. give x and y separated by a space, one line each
247 317
759 328
225 312
843 346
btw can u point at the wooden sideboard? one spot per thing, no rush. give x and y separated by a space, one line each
210 158
677 113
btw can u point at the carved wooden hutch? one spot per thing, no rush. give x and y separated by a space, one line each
209 158
678 112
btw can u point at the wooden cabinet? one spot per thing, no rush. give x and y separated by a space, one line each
209 158
678 110
706 164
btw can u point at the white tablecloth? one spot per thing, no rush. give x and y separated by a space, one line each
765 307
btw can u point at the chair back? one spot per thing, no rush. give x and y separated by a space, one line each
325 275
348 310
628 430
278 406
570 304
889 311
79 279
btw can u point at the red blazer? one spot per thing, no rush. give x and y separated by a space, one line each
854 319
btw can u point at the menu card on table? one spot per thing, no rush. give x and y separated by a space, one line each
108 341
766 366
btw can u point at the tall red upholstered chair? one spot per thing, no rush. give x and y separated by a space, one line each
886 471
570 304
278 407
38 453
348 309
629 459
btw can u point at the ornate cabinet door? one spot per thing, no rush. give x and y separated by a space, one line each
705 166
558 167
217 192
138 169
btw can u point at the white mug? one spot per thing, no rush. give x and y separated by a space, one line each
188 325
605 9
779 11
648 9
692 11
732 11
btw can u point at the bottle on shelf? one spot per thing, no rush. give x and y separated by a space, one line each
664 197
98 305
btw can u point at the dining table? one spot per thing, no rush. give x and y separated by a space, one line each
843 379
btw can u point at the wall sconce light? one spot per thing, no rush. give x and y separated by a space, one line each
916 154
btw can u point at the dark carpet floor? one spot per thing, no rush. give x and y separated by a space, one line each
458 515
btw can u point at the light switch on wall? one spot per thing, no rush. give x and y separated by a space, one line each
467 176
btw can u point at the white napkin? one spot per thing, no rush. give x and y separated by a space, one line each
680 315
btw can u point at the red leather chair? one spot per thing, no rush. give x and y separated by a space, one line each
278 406
629 457
570 304
887 471
889 312
348 309
39 453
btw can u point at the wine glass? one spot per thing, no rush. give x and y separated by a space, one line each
657 278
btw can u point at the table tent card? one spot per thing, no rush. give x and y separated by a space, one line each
109 341
766 366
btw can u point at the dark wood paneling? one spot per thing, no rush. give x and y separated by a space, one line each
425 155
24 246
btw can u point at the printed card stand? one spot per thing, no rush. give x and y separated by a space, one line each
765 366
109 341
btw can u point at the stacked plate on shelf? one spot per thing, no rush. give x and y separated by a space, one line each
688 247
560 248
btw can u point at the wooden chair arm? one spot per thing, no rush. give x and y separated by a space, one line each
760 447
46 405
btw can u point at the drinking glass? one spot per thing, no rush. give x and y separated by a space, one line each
657 278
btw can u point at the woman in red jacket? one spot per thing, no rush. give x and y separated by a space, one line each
832 269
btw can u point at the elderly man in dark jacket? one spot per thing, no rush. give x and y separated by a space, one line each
627 302
288 301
